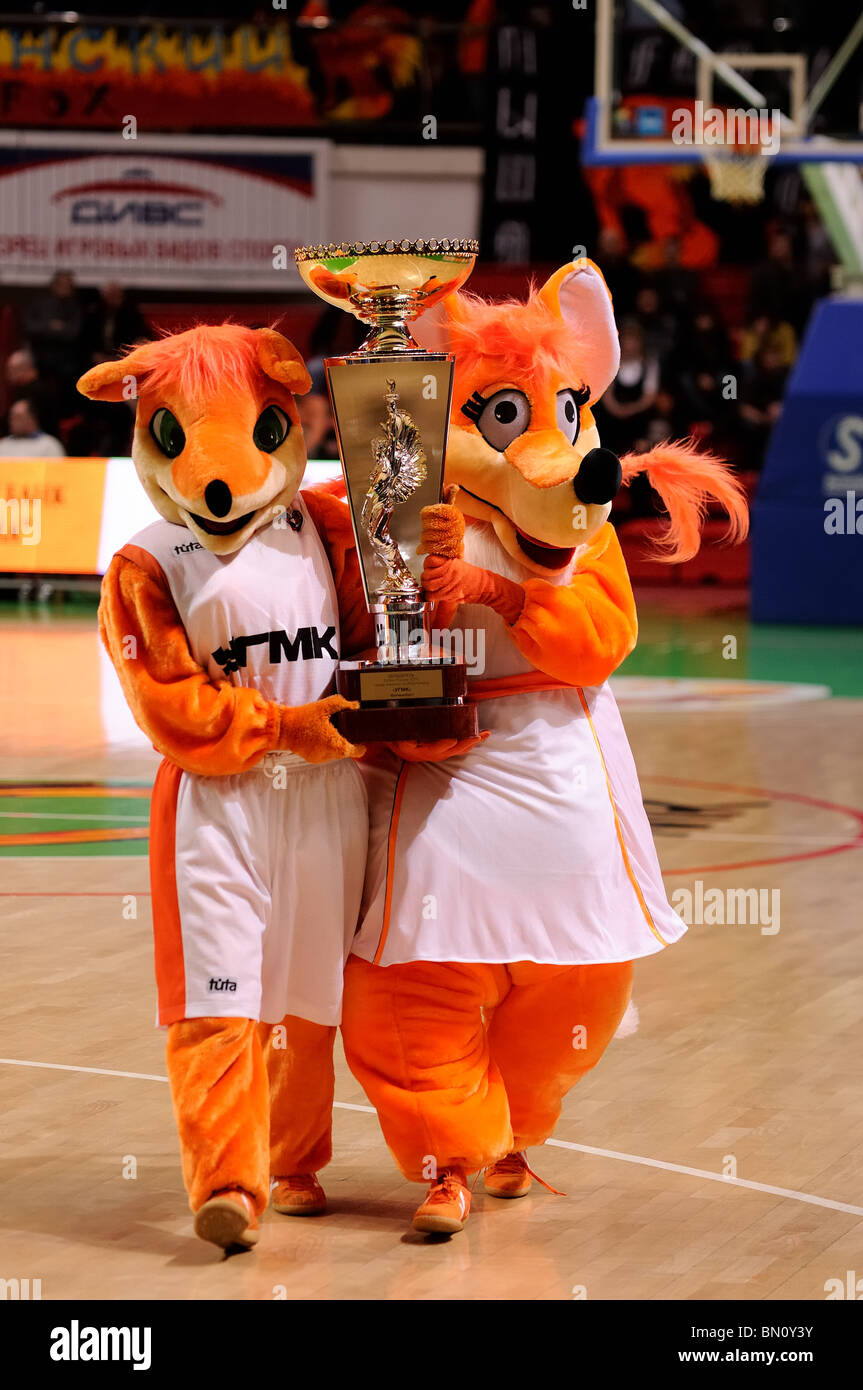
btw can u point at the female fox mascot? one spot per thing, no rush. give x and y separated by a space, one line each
223 622
511 886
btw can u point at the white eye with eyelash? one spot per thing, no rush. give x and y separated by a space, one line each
568 415
504 416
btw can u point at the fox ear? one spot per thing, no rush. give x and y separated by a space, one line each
579 294
117 381
281 361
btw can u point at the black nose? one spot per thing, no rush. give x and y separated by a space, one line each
599 477
217 496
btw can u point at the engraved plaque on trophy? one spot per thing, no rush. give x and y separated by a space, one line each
391 402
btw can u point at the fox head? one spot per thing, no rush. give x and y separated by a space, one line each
523 447
218 445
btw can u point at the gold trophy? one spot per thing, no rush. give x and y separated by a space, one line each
391 403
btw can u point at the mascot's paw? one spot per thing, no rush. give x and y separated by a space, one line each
299 1195
630 1021
442 528
447 1207
444 579
309 731
509 1177
438 750
228 1219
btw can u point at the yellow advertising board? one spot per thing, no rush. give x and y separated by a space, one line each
51 515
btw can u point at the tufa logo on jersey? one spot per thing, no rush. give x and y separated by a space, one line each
229 985
307 643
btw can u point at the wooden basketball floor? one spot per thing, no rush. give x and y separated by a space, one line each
717 1153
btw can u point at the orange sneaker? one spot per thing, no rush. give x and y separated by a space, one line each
299 1195
228 1219
446 1208
508 1177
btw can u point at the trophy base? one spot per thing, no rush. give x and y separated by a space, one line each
405 700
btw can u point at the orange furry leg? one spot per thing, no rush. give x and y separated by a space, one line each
219 1088
298 1056
552 1027
416 1041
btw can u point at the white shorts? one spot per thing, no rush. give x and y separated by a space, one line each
257 881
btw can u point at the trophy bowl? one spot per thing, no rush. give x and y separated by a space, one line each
391 401
387 283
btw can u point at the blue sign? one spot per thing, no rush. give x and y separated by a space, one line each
807 521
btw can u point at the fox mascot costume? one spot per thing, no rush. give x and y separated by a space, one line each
224 622
511 886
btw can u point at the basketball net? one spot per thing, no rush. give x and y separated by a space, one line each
737 173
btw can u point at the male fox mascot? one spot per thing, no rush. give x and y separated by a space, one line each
511 886
223 622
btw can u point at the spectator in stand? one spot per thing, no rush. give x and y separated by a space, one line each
620 275
761 403
773 334
631 397
659 328
779 290
676 285
24 384
664 421
816 248
318 428
703 358
114 322
25 438
52 323
334 333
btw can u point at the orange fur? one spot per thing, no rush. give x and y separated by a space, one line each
687 481
531 342
204 361
443 1085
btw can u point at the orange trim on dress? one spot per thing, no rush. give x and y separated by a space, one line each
626 864
527 681
167 930
392 835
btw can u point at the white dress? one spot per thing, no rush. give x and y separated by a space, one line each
534 845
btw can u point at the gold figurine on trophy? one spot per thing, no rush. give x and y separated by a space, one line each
399 469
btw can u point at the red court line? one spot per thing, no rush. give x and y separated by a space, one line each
801 797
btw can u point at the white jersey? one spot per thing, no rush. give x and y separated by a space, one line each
532 846
256 877
266 616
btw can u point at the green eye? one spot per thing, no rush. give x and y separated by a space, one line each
271 429
167 432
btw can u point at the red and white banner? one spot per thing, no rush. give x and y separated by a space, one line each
160 211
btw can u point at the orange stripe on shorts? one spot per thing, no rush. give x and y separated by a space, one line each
167 932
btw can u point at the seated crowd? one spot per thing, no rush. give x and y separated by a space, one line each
685 370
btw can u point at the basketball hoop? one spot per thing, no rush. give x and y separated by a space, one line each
736 175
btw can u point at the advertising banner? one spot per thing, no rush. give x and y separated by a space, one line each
162 211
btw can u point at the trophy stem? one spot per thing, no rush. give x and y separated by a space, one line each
401 628
388 334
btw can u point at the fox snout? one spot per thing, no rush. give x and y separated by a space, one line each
598 478
218 497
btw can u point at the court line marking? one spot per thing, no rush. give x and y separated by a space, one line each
702 1173
70 815
95 893
711 1177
